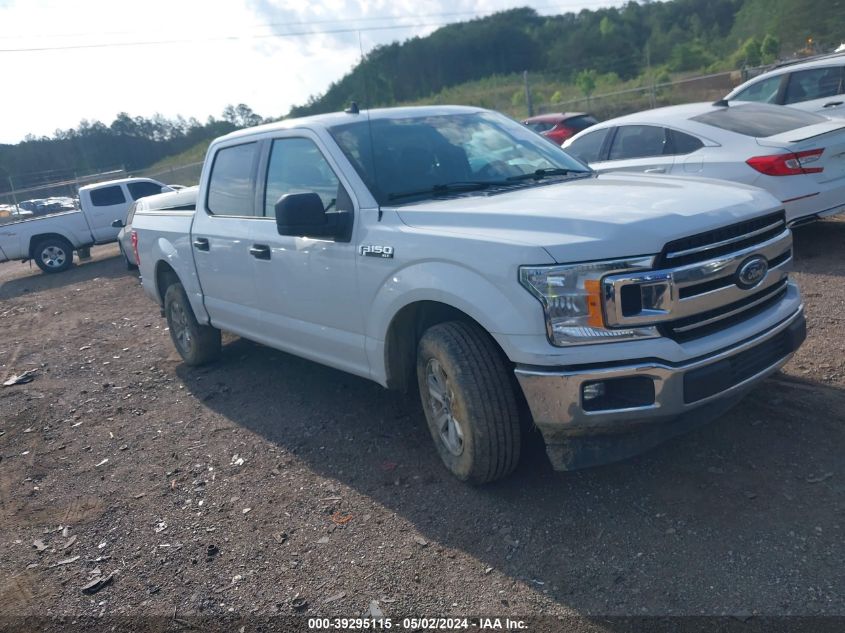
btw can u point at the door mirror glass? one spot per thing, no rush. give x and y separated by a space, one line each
303 215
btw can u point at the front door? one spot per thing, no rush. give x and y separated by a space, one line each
309 291
107 205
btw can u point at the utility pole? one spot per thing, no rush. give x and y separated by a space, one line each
12 191
652 91
527 93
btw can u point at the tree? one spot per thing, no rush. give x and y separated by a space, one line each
770 48
241 115
690 56
586 82
750 52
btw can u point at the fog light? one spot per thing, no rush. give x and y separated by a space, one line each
594 390
618 393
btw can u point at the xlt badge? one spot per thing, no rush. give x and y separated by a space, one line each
374 250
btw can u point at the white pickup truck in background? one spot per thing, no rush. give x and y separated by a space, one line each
51 239
454 252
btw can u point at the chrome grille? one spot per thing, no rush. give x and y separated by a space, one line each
720 241
701 286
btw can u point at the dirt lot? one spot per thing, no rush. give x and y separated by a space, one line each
266 483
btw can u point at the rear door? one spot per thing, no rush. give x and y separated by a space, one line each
220 240
639 148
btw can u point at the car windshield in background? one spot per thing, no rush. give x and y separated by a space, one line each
405 159
759 121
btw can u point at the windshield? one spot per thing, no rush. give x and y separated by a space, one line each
450 154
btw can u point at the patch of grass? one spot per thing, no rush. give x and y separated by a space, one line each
196 154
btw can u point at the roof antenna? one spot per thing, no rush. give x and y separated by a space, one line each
721 103
353 108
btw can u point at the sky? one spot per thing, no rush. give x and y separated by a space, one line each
62 61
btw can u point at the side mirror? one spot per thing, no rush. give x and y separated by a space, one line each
303 215
117 224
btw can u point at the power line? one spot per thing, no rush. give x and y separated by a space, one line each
280 35
225 38
558 5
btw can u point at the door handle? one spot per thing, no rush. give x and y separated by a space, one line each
260 251
655 170
832 104
201 244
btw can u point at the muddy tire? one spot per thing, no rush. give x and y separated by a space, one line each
197 344
467 393
53 254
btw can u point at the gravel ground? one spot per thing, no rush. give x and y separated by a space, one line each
266 484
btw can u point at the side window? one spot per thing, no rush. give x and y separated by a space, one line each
540 126
297 166
107 196
588 148
681 143
638 141
230 189
765 91
817 83
140 190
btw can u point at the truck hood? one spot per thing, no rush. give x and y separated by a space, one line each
605 216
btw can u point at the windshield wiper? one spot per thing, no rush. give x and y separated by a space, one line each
539 174
451 187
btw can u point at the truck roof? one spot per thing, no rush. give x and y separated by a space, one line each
118 181
336 118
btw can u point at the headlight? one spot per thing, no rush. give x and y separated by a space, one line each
571 298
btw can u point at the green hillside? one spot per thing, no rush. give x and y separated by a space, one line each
570 58
620 44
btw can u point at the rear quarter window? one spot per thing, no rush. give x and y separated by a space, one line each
682 143
107 196
758 121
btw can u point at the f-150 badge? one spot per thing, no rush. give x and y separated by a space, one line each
374 250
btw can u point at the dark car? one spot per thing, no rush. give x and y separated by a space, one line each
559 126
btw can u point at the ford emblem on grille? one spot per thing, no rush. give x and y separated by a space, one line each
751 272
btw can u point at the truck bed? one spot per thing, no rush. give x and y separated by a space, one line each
15 236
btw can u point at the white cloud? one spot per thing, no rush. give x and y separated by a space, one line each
46 90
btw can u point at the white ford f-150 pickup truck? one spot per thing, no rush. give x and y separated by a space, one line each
451 251
51 239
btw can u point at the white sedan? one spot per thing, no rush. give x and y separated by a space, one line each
797 156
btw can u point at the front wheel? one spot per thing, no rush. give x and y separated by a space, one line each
197 344
468 397
53 255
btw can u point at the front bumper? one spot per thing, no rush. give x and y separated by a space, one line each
650 392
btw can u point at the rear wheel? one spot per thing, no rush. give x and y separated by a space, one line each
197 344
53 254
129 264
468 397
